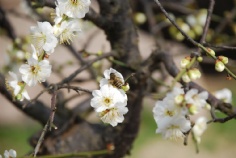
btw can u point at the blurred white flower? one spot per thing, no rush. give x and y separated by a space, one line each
15 85
74 8
114 115
174 128
35 71
43 37
59 16
112 77
201 17
224 94
176 91
10 154
108 97
196 99
164 109
185 77
199 127
67 30
191 20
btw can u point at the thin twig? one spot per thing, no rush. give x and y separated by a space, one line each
77 89
219 46
208 20
89 63
40 141
53 110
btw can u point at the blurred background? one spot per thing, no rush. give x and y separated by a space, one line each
219 140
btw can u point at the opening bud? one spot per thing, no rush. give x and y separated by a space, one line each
192 109
179 99
194 74
186 78
223 59
211 52
184 62
219 66
125 87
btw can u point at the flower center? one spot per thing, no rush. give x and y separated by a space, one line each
74 2
169 113
107 101
35 69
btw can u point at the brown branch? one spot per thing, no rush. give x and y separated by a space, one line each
53 110
96 18
219 46
5 23
75 88
208 20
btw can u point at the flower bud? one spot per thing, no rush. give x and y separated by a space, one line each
19 96
198 29
184 62
192 109
207 106
223 59
194 74
186 78
219 66
125 87
179 99
140 18
211 52
199 59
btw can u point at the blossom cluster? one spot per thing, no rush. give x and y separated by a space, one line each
111 100
9 154
172 113
191 73
45 38
192 25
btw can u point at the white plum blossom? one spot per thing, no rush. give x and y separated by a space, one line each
108 97
198 100
170 116
59 16
74 8
15 85
174 128
107 74
35 71
175 92
164 109
43 38
199 128
110 101
10 154
67 30
224 94
172 112
113 115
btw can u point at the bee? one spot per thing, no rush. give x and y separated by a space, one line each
116 81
